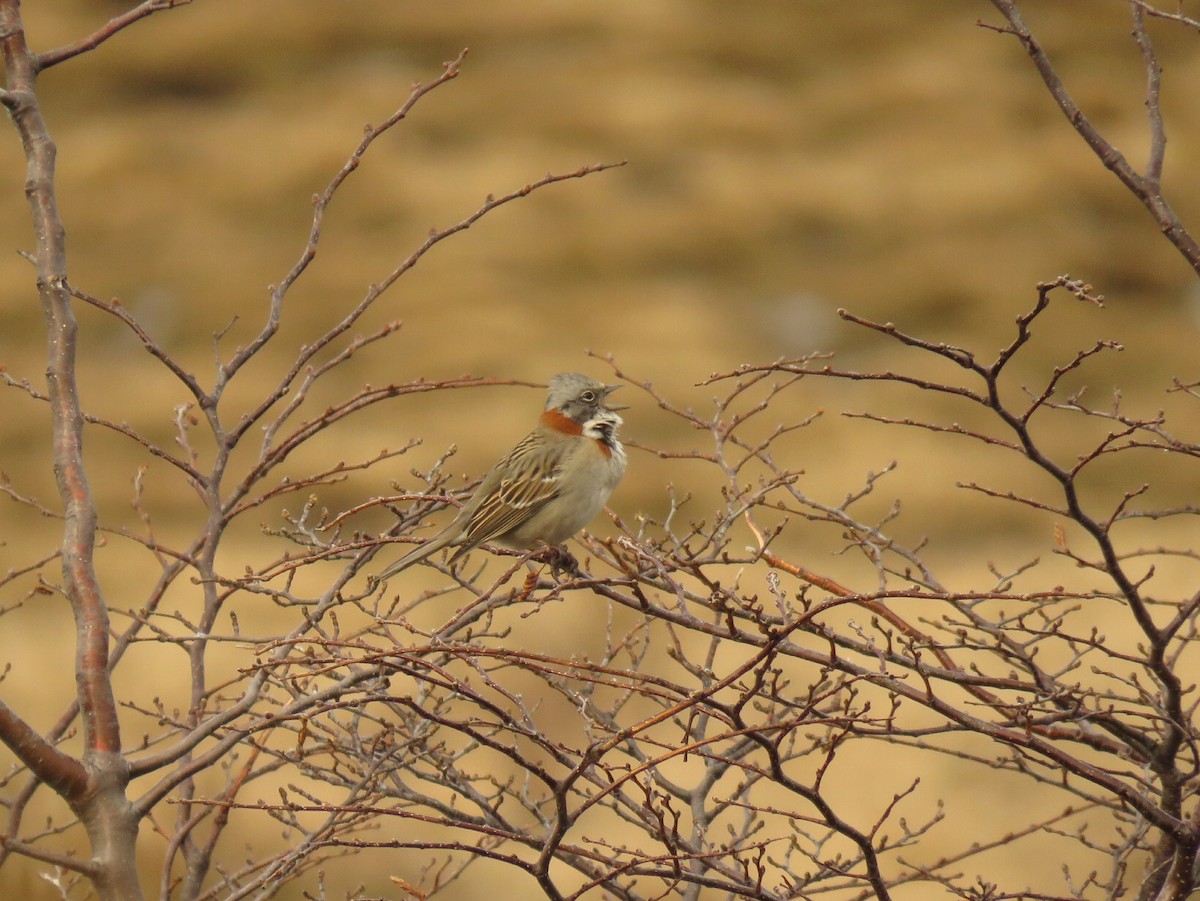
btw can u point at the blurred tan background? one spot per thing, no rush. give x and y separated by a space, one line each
785 159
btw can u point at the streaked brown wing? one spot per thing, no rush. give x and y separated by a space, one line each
516 488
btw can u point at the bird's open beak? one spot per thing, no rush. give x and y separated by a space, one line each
609 389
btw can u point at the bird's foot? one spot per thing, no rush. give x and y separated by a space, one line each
560 561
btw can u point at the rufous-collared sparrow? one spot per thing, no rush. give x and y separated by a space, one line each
550 485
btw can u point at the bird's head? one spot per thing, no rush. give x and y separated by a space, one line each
581 398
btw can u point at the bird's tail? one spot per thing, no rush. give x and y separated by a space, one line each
416 555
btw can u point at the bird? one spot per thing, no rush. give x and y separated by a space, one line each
549 486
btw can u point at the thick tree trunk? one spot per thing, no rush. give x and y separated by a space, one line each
112 827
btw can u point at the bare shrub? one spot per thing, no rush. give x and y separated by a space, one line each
695 710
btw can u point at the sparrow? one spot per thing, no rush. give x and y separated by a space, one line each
549 486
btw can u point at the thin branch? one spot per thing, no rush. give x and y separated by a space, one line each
1144 187
110 29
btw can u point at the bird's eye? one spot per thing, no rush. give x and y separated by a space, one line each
588 397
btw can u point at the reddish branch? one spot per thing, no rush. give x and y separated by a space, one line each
102 734
95 787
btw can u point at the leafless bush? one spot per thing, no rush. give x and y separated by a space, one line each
724 731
